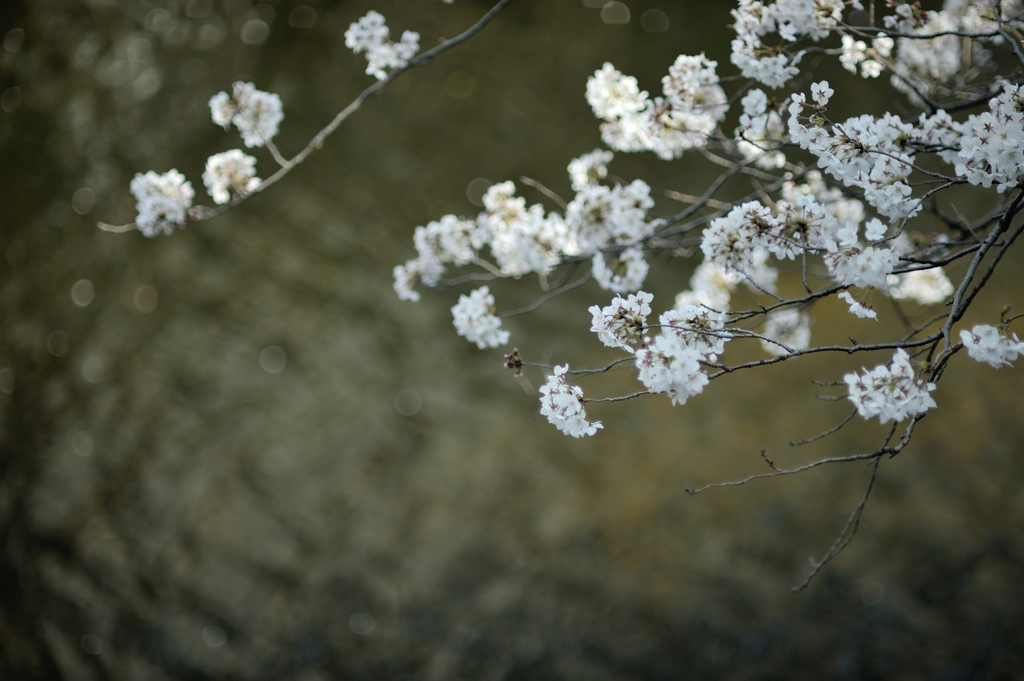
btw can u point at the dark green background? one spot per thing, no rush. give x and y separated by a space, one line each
483 543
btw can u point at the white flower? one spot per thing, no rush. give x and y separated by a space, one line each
858 308
992 147
371 35
406 276
692 106
162 201
522 239
589 169
926 287
622 323
562 404
847 234
891 392
865 267
711 286
789 327
874 230
696 327
866 152
761 131
668 366
230 172
622 274
611 94
255 113
601 216
821 93
474 319
997 346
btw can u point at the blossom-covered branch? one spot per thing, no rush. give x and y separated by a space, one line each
852 202
164 202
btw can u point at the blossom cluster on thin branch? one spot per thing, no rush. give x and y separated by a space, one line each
813 209
843 208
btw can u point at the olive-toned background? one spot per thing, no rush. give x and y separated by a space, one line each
186 514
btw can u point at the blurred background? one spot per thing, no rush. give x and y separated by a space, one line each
232 453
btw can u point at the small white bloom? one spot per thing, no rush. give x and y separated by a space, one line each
821 92
622 323
256 114
857 308
371 35
865 267
891 392
847 235
562 404
925 287
230 172
789 327
622 274
589 169
997 346
874 230
668 366
474 319
697 328
162 201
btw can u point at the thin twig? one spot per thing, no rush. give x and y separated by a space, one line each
846 536
200 213
820 436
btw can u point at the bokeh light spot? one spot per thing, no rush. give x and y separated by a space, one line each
82 443
654 21
302 16
476 189
255 32
10 99
362 623
57 343
214 636
615 13
83 292
146 298
273 359
91 644
83 200
93 369
408 402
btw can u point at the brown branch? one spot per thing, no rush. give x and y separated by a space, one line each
201 213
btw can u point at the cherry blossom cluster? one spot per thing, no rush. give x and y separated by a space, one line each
231 172
562 404
256 114
474 319
371 35
808 210
992 145
605 223
893 392
995 345
672 362
623 323
865 152
163 201
790 20
761 131
691 108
